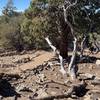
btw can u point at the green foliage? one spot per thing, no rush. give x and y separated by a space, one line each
10 31
45 18
87 19
34 25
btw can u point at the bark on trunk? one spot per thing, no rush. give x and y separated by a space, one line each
82 47
64 47
65 31
62 70
72 67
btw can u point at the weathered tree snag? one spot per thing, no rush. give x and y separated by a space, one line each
64 46
82 46
65 31
72 67
50 44
62 70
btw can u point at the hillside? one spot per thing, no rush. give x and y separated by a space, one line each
35 74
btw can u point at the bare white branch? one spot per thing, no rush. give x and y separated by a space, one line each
71 68
71 5
50 44
82 46
62 70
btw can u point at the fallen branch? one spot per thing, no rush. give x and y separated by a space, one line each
77 89
67 95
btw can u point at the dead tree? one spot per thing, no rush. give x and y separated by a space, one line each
67 28
82 46
71 69
62 70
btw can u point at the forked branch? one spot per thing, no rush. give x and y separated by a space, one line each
71 68
62 70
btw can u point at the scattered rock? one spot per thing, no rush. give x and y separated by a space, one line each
8 53
68 99
87 97
87 76
23 60
25 82
41 78
95 97
42 93
98 62
95 82
53 93
24 88
9 77
2 65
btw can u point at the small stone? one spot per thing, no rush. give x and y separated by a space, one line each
95 82
53 93
42 93
87 97
98 62
87 76
1 97
41 77
24 88
69 99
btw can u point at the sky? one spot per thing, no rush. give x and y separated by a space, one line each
21 5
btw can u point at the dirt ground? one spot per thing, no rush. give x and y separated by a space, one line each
35 75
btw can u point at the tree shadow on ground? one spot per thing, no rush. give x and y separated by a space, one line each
86 59
6 90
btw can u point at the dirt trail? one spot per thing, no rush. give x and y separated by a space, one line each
40 59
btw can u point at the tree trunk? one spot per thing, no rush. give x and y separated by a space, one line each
65 29
82 47
72 67
62 70
64 47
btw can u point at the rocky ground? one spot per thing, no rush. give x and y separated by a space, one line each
35 75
